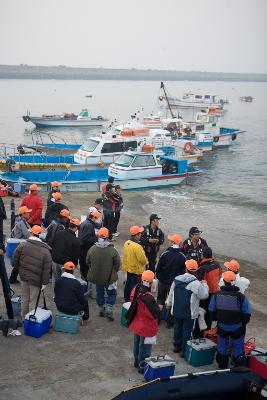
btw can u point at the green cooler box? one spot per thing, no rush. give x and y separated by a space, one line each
200 352
125 308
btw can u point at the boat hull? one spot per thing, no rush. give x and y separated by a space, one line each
48 122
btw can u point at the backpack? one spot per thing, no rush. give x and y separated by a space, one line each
182 300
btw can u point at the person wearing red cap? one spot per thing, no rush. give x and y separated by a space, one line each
103 262
241 282
87 238
183 299
143 319
134 260
54 188
34 202
231 309
171 264
69 295
33 260
53 211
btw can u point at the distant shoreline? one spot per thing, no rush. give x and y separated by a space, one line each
70 73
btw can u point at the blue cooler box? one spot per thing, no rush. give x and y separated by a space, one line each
200 352
11 245
67 323
158 367
40 325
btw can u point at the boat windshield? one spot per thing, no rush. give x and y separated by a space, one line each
124 160
90 145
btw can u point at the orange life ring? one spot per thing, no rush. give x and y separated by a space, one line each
188 147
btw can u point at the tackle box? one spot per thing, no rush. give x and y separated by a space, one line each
200 352
124 309
159 367
67 323
37 325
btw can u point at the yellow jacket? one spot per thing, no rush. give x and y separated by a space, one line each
134 259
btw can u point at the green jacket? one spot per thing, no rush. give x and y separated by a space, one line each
103 264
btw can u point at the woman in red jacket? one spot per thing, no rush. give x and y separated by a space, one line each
143 319
34 203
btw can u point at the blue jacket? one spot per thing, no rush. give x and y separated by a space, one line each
170 265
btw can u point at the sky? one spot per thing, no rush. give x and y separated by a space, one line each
189 35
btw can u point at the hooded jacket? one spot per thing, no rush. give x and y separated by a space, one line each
34 203
199 291
134 259
66 247
147 316
69 296
170 265
33 260
103 262
241 282
210 271
21 229
53 212
86 235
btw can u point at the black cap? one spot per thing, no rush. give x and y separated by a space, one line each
109 187
193 230
99 201
207 252
153 217
110 179
117 187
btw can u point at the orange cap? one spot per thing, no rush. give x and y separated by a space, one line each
65 213
75 221
24 210
36 230
229 276
95 214
103 233
148 276
69 265
57 195
55 184
232 265
134 230
177 239
34 187
191 265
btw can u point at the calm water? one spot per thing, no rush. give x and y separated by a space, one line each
228 200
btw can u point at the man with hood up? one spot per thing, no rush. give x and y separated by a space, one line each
103 262
184 297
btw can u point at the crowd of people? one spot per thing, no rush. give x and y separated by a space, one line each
184 284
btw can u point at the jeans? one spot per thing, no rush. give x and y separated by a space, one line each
131 282
182 332
100 296
141 350
29 296
82 262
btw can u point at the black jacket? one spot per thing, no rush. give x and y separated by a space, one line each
171 264
66 247
87 236
2 209
52 229
194 252
52 212
150 234
69 297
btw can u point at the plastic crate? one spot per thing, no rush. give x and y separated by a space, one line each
67 323
124 309
158 367
40 326
200 352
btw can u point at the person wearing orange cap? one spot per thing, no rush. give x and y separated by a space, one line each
134 260
103 262
231 309
143 318
69 295
32 259
61 223
171 264
183 299
66 247
241 282
54 188
53 211
20 231
87 238
34 203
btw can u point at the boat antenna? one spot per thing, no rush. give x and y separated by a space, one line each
166 97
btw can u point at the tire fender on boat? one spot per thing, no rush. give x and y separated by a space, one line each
26 118
234 136
188 147
216 139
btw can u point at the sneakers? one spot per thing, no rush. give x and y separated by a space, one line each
136 365
116 234
109 313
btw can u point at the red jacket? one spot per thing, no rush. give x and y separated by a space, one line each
34 203
144 323
210 271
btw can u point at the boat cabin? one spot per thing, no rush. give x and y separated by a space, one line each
199 98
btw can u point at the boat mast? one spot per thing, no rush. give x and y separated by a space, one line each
166 97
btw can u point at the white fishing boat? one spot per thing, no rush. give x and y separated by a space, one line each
195 100
66 119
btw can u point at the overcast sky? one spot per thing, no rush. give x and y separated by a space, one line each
206 35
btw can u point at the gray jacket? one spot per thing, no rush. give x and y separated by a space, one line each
33 260
21 229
